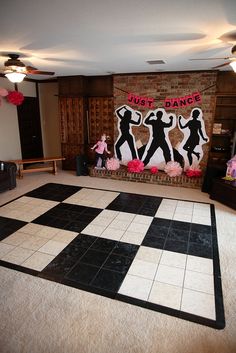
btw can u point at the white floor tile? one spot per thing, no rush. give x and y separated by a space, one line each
65 236
47 232
17 238
184 210
138 227
143 269
199 281
186 204
198 303
38 261
175 259
94 230
199 264
201 220
18 255
33 243
119 224
125 216
143 219
182 217
31 228
52 247
109 214
149 254
132 237
164 214
166 294
101 221
5 249
170 275
136 287
112 233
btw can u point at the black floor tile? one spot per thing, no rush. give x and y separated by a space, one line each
9 226
94 257
161 222
201 238
54 192
132 203
83 273
69 217
154 242
178 234
200 250
176 246
118 263
102 244
125 249
157 231
60 266
200 228
82 240
181 225
108 280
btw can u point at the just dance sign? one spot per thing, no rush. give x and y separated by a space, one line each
181 102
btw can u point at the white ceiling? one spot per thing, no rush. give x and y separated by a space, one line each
97 37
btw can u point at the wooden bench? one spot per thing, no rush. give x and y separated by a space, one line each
34 168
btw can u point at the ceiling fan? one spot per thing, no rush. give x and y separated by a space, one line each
231 62
15 70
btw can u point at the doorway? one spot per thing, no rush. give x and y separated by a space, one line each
30 128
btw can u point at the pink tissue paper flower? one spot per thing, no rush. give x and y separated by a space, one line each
173 169
112 164
135 166
154 170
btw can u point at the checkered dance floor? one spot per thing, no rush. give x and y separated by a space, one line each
154 252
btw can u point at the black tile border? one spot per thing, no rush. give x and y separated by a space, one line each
219 323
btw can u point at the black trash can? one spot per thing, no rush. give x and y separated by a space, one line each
81 165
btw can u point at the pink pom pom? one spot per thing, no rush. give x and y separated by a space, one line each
112 164
3 92
193 172
15 97
154 170
173 169
135 166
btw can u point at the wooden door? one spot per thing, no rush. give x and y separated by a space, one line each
72 129
30 128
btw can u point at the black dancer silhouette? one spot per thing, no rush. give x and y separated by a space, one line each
192 142
158 136
126 136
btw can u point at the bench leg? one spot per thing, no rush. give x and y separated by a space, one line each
20 171
55 167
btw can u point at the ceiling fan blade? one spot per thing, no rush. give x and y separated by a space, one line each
215 67
210 59
39 72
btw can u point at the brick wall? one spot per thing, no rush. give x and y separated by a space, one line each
168 85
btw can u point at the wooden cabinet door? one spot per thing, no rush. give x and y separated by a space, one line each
100 118
71 112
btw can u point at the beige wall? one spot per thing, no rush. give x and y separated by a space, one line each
10 147
9 129
49 119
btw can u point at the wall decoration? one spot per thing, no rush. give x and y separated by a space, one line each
181 102
13 97
125 147
195 136
141 101
158 150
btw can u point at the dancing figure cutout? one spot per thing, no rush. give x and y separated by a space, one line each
125 147
194 137
159 150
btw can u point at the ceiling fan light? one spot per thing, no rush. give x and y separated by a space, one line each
233 65
15 77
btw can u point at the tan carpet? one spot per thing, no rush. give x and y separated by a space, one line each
41 316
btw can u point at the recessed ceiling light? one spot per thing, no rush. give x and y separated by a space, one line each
153 62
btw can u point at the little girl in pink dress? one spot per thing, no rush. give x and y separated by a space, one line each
101 147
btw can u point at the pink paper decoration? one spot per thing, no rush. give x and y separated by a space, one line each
154 170
173 169
135 166
15 97
112 164
193 172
